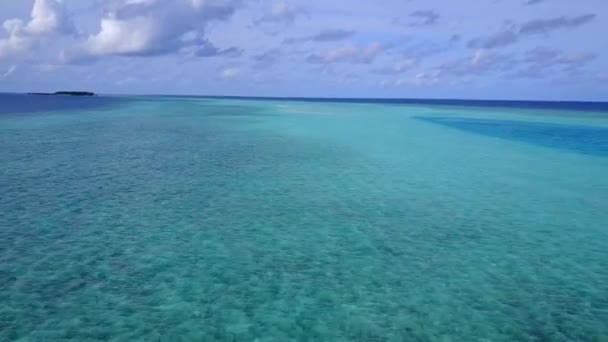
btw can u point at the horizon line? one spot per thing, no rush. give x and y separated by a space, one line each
347 98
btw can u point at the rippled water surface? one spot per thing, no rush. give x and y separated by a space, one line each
239 220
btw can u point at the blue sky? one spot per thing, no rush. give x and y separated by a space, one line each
502 49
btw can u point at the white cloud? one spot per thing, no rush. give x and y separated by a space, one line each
281 12
400 66
155 27
136 35
48 18
17 41
478 57
426 78
350 53
230 73
478 63
331 37
420 79
10 71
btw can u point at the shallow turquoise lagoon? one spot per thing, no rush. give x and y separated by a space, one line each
257 220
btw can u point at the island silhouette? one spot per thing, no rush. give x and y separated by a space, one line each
68 93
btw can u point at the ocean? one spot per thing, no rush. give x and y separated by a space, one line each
235 219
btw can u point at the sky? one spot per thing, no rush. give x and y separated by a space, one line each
470 49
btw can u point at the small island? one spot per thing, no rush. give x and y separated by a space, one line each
67 93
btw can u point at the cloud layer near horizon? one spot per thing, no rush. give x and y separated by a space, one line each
307 48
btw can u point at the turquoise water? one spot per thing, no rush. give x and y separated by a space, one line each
240 220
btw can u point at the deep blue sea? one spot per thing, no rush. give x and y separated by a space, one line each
232 219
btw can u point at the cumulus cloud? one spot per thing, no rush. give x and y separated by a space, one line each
350 53
48 18
17 40
127 28
513 34
336 39
281 13
155 27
